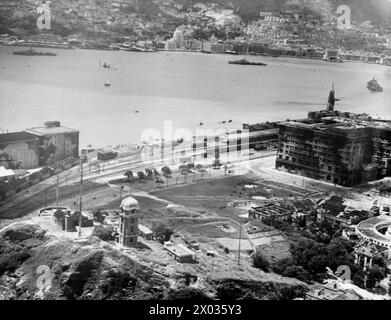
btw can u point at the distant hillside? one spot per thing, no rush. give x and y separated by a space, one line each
111 17
378 11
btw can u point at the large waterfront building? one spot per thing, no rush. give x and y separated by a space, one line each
37 147
56 143
336 147
19 150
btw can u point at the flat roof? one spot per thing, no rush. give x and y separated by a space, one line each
16 136
43 131
144 229
179 251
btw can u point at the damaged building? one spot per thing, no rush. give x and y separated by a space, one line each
337 147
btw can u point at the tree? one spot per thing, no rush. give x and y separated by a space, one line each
141 175
260 261
156 173
199 167
128 174
190 166
297 272
358 279
166 171
162 232
149 172
375 275
105 234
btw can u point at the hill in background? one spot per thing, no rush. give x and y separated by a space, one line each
122 17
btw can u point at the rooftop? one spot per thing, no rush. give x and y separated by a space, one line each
43 131
16 136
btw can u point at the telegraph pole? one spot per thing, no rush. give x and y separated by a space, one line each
81 195
57 191
240 239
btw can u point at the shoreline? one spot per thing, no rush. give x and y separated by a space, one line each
270 55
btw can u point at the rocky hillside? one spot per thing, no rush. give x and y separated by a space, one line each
32 260
125 17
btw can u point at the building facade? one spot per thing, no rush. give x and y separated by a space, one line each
19 150
330 153
56 143
335 147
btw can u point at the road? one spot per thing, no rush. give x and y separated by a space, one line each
105 171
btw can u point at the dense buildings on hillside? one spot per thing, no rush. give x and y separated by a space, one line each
208 28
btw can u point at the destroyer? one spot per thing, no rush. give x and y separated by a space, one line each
244 61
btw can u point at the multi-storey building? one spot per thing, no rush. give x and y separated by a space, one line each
37 147
329 152
19 150
56 143
335 147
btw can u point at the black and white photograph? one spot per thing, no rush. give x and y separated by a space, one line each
195 152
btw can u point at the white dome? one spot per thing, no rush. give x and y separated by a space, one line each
129 203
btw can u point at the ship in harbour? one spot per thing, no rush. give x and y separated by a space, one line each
244 61
373 85
32 52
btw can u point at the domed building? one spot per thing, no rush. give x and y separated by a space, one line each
129 205
129 222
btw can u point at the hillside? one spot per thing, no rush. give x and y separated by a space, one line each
32 260
126 17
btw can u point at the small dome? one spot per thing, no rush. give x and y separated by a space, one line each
129 203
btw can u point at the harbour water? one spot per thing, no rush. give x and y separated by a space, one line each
184 88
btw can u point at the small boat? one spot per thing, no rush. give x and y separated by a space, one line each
244 61
231 52
105 65
224 122
230 121
201 123
373 85
107 83
136 111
